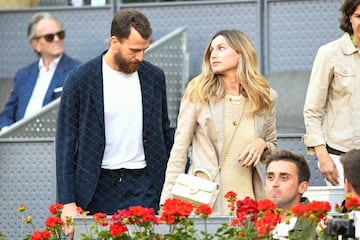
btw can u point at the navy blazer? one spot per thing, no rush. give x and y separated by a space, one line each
80 135
24 83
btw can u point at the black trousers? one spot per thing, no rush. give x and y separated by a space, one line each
120 189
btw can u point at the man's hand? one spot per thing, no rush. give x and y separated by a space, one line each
69 211
320 228
326 165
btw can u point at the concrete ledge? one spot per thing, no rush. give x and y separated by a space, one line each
212 224
324 193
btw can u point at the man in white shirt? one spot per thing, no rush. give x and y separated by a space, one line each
113 135
41 82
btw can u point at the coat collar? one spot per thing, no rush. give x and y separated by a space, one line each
97 92
96 87
148 87
348 47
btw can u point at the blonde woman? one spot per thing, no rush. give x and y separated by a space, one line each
227 117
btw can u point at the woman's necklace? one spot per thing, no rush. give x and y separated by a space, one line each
235 101
232 110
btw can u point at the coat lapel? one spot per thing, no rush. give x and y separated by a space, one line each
56 81
27 90
96 88
217 114
147 93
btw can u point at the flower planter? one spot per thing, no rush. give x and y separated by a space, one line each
212 224
247 218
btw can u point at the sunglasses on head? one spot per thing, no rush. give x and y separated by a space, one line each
50 37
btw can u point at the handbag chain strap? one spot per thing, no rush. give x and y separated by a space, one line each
224 153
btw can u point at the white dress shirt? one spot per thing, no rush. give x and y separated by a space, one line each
42 84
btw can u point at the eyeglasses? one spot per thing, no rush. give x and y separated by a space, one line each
50 37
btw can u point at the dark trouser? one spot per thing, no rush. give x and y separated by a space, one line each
120 189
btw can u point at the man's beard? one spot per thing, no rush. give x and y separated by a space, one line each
125 66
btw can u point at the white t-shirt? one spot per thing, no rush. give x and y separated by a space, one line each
356 216
123 120
282 229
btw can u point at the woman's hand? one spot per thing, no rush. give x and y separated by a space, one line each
252 153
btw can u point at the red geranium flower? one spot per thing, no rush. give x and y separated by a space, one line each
117 229
314 211
230 196
44 235
231 199
175 210
266 205
142 216
53 221
79 210
203 210
352 204
101 218
56 209
245 208
267 221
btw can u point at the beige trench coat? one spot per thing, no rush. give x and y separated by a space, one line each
202 127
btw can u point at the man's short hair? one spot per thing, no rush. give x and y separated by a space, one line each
126 19
303 169
351 163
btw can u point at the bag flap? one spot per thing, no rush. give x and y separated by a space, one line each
193 182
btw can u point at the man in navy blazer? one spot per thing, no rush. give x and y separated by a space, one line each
41 82
113 133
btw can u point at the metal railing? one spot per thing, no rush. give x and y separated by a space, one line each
169 53
27 151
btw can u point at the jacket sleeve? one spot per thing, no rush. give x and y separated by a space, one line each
8 115
316 98
186 124
67 134
270 135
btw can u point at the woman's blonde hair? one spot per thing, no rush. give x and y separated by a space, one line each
208 84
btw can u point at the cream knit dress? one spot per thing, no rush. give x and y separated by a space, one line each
239 131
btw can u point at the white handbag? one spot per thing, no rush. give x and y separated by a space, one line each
195 189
